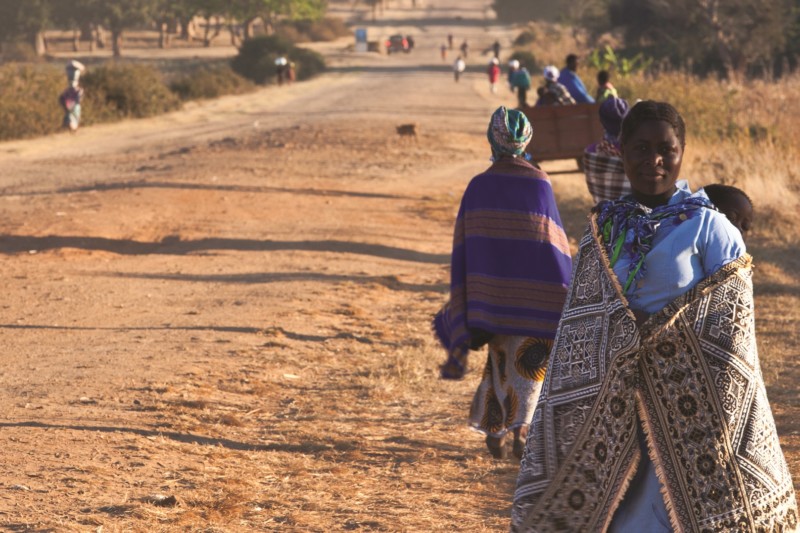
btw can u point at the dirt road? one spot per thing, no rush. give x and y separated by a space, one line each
218 320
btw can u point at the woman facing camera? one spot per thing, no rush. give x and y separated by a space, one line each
653 415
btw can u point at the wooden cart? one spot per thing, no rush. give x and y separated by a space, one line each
563 131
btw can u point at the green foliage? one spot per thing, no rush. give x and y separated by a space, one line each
607 59
256 59
29 100
210 82
121 91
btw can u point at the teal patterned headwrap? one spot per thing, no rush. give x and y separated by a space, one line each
509 131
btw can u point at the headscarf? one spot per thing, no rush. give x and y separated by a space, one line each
612 111
551 73
509 131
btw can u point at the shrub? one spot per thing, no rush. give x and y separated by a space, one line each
210 82
120 91
29 100
526 59
256 59
525 38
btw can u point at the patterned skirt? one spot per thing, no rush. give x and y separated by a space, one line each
512 380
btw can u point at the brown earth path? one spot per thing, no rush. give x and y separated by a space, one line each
230 305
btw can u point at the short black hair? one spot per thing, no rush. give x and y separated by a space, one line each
652 110
720 194
572 58
603 77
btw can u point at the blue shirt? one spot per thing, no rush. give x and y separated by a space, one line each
574 85
681 256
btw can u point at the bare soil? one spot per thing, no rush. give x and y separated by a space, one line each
218 319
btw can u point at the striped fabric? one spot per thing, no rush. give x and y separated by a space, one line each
605 176
510 264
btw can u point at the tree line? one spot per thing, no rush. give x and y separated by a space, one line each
735 38
28 20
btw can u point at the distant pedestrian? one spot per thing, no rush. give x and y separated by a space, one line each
494 74
450 41
70 98
465 49
280 69
458 68
521 82
569 78
604 88
443 51
496 49
291 72
513 65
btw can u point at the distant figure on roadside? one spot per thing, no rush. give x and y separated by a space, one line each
602 161
569 79
513 66
443 51
70 98
450 41
552 92
280 69
734 203
496 49
604 88
291 72
510 267
493 72
465 49
521 82
458 68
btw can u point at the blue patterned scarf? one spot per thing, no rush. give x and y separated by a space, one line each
627 228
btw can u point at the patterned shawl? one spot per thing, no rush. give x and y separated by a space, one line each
510 263
690 375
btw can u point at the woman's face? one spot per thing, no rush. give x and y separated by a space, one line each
652 158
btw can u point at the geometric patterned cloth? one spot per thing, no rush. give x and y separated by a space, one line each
605 176
689 377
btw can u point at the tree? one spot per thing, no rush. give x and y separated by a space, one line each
26 19
734 34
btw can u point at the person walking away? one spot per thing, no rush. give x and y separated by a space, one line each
280 69
450 41
70 98
552 92
496 49
513 66
493 72
510 267
604 88
443 51
569 78
465 49
521 81
458 68
654 415
602 161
